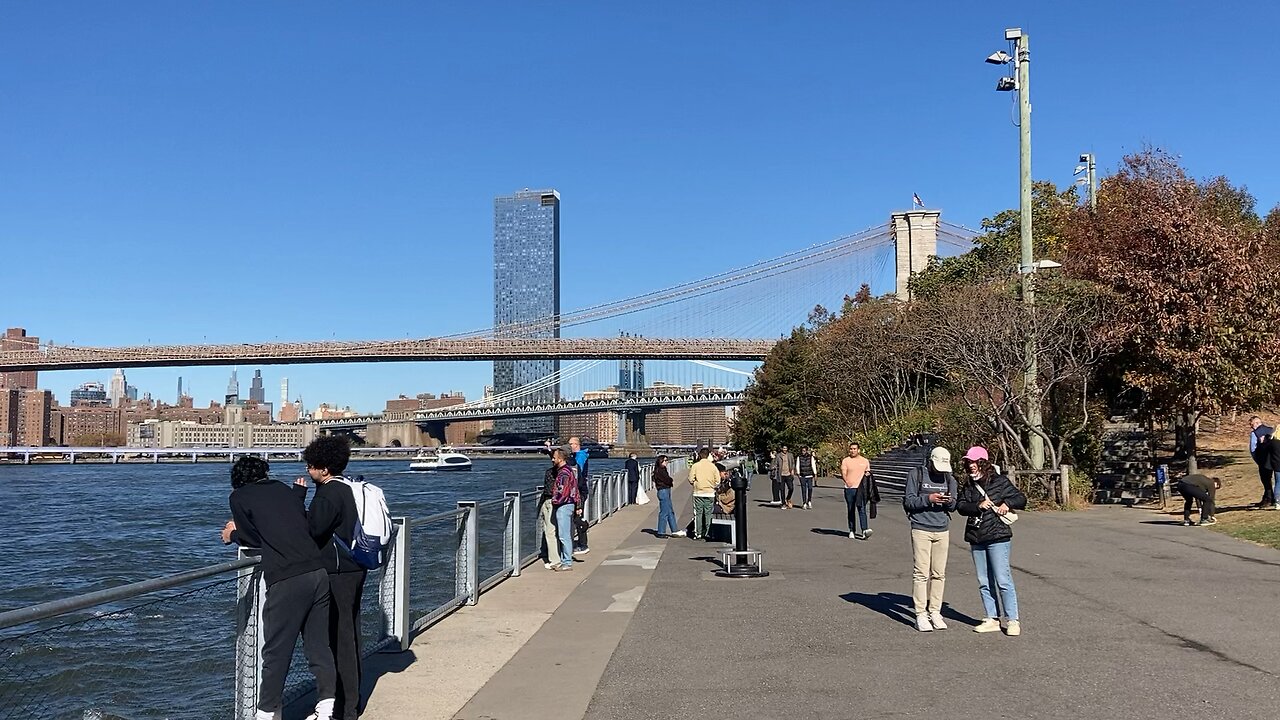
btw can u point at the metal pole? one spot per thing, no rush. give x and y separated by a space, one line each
466 577
1031 379
511 548
1093 183
395 584
250 600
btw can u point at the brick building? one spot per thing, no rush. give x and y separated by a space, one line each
598 426
459 433
685 425
18 339
91 424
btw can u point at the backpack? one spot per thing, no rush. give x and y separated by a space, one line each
372 532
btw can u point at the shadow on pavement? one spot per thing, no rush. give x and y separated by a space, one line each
1161 522
900 607
891 605
829 531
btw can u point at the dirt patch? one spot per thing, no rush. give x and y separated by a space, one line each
1224 454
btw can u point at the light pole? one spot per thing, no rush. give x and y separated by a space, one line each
1090 168
1021 82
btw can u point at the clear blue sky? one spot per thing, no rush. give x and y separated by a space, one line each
175 172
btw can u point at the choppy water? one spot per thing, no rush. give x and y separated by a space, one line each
76 529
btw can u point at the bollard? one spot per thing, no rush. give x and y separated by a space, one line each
741 561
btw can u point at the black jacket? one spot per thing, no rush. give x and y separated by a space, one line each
332 514
633 470
984 526
661 478
271 517
1267 452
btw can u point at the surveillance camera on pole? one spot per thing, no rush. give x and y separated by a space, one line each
1021 81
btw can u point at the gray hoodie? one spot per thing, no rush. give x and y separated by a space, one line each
925 515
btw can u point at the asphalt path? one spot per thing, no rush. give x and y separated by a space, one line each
1124 614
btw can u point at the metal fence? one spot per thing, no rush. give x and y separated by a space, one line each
184 645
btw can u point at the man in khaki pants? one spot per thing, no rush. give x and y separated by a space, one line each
929 501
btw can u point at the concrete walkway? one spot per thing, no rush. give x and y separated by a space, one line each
1124 615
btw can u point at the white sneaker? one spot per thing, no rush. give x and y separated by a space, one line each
988 625
867 533
582 551
1014 629
935 619
549 565
324 710
923 623
678 533
852 535
264 715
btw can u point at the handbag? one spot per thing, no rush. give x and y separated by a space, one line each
1008 518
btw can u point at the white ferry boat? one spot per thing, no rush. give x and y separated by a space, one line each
439 460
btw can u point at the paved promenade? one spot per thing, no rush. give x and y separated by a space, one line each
1124 615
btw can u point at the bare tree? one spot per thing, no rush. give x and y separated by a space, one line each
975 339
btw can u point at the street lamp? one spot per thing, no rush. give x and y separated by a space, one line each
1021 81
1090 168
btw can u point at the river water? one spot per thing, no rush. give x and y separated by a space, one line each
79 528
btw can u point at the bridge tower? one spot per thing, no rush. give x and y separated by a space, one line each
915 237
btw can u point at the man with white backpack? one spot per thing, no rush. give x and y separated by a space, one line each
350 523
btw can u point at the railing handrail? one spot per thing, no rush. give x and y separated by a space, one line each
53 608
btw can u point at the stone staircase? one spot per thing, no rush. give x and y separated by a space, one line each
1128 474
891 467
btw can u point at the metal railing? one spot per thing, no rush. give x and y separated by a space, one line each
435 565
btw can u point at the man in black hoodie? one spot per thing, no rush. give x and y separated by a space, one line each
266 515
332 519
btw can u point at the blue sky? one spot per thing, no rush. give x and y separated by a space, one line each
175 172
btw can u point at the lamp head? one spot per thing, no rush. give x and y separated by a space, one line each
1013 34
999 57
1005 84
1085 157
1080 169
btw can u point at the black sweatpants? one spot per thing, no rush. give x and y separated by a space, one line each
296 604
344 638
789 483
1192 493
1268 479
777 488
580 526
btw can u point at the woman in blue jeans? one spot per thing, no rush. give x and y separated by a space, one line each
564 498
666 513
988 500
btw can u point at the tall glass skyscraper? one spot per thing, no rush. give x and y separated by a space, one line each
526 292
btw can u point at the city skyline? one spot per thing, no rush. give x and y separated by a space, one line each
709 152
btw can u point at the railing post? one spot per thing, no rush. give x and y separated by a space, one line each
511 545
467 576
394 586
619 491
593 501
1065 479
251 596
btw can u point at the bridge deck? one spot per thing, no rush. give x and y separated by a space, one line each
52 357
1122 610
